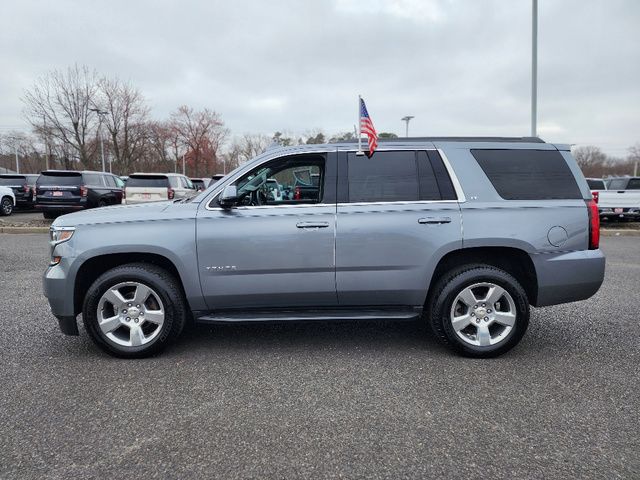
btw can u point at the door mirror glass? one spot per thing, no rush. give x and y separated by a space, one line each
229 197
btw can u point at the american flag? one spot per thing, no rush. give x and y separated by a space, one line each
366 127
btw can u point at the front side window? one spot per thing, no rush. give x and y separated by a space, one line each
286 181
634 184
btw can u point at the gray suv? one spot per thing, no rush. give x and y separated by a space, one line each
464 233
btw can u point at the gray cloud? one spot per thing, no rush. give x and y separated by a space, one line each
460 66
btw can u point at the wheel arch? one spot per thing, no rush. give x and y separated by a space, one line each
95 266
512 260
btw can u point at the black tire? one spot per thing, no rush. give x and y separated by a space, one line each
50 215
102 203
162 282
6 206
440 304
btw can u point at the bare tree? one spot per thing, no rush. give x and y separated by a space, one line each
60 103
126 113
243 149
202 132
591 160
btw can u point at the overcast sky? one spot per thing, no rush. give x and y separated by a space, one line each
462 67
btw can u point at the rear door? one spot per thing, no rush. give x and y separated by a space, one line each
147 188
397 212
17 183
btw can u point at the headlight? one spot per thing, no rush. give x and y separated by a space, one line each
60 234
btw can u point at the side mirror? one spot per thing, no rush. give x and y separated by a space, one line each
229 197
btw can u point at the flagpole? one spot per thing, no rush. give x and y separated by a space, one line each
360 152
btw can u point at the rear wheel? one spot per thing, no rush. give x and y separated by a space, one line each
6 206
134 310
479 311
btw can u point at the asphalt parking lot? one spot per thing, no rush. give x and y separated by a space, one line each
322 400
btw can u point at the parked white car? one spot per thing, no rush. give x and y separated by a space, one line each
157 187
621 200
7 201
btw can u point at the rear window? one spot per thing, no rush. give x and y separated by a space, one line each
634 184
71 178
148 181
619 184
13 180
595 184
528 174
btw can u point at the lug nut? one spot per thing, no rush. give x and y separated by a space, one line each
124 310
488 310
484 304
136 320
129 304
128 319
477 320
473 314
486 319
137 306
475 306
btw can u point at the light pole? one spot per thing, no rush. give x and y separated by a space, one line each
101 114
15 149
534 68
407 119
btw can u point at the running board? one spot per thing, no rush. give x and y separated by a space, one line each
310 315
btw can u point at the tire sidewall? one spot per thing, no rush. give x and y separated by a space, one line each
467 278
6 206
120 275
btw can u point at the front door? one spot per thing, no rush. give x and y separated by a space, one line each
276 248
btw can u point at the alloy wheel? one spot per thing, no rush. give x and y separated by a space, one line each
483 314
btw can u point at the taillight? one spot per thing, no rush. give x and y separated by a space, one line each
594 225
596 196
26 188
296 194
170 193
84 191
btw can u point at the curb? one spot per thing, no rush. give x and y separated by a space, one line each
620 232
24 230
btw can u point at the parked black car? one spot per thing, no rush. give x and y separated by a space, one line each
64 191
22 186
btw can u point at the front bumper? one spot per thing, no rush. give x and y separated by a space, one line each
59 290
568 276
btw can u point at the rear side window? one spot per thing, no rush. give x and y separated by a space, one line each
619 184
385 177
110 181
528 174
148 181
60 179
93 179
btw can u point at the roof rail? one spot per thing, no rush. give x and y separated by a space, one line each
453 139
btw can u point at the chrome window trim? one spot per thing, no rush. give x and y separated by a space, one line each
280 153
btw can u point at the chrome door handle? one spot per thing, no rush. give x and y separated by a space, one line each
434 220
312 224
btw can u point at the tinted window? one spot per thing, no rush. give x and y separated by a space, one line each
119 182
619 184
634 184
110 181
385 177
12 180
148 181
595 184
71 178
528 174
93 179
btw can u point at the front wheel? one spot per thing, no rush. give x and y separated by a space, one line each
134 310
6 206
479 311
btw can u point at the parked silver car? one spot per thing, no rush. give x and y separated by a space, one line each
462 233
